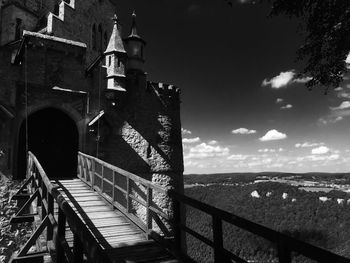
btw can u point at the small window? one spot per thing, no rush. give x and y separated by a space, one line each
118 63
109 60
18 31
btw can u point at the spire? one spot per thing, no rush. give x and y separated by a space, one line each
133 30
115 42
135 48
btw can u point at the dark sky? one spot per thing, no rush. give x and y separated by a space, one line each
236 69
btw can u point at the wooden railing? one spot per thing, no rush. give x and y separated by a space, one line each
127 192
48 197
285 244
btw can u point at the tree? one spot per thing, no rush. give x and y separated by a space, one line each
326 26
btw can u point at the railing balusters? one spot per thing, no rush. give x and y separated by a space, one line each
148 211
284 254
218 239
102 178
61 232
93 167
128 202
113 189
77 249
50 210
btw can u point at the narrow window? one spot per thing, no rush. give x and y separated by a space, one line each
99 38
105 40
56 9
93 37
18 28
118 63
109 60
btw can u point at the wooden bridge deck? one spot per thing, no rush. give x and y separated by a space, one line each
119 237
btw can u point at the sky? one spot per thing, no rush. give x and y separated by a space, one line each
243 107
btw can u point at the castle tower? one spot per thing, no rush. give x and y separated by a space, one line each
135 48
116 58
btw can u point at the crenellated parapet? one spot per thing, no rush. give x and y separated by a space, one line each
54 22
168 94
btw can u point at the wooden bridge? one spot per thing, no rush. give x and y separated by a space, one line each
110 215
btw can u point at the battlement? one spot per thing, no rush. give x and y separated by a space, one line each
54 21
164 90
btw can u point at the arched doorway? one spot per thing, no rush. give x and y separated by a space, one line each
54 139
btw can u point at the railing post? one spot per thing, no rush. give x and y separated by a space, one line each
128 206
148 211
218 240
113 189
61 232
176 224
102 177
77 249
43 198
93 167
284 254
50 211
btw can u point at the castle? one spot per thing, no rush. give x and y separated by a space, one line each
69 82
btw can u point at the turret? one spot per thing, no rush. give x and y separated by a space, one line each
135 47
116 58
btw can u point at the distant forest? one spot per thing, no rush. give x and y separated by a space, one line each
299 214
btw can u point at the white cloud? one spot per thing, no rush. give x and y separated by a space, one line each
212 142
331 119
237 157
279 100
284 79
347 60
243 131
185 131
280 81
308 144
204 150
320 150
286 107
266 150
273 135
344 105
344 95
338 89
191 140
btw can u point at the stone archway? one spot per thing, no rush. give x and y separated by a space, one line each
54 139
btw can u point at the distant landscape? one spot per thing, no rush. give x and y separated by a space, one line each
313 207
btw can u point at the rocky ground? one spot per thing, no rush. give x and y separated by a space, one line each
12 237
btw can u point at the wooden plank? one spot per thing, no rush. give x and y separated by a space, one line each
94 209
87 203
31 258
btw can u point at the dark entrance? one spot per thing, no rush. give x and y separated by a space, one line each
53 138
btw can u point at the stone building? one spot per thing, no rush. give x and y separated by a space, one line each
69 81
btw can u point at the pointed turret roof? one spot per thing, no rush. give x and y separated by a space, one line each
115 42
133 30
